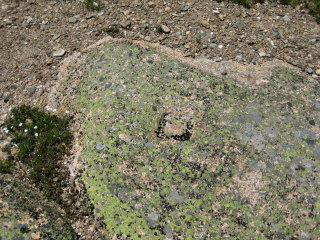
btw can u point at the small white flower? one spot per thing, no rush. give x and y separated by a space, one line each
20 124
11 127
35 127
36 134
67 112
26 130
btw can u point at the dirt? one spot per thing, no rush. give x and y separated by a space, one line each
218 31
220 38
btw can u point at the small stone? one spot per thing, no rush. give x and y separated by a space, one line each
276 34
55 36
8 21
29 19
31 90
262 53
152 219
315 76
185 9
165 29
175 197
286 19
59 53
4 156
221 17
124 137
309 70
237 13
99 147
224 72
168 231
72 20
318 72
151 4
205 23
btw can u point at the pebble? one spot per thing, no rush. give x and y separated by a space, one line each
99 147
72 20
152 219
29 19
221 17
151 4
318 72
168 231
185 9
31 90
237 13
59 53
286 19
4 156
205 23
7 21
262 53
165 29
309 70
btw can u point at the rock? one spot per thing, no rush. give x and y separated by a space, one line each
221 17
224 72
185 9
99 147
59 53
8 21
165 29
72 20
29 19
318 72
4 156
151 4
309 70
31 90
5 145
276 34
237 13
286 19
262 53
56 36
168 231
205 23
152 219
175 197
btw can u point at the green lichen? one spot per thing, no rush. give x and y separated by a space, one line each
143 184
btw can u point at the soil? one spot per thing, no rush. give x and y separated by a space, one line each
33 33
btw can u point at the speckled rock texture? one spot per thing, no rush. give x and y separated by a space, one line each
169 151
25 214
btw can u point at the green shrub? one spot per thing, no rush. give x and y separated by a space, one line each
42 139
92 5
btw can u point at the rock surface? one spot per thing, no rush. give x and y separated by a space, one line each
243 158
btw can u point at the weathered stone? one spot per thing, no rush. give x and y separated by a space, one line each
245 142
59 53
